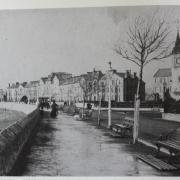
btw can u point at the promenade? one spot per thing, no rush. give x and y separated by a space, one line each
66 147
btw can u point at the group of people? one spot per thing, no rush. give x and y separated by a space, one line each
45 104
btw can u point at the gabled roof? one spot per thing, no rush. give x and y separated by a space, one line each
28 85
176 48
71 80
23 84
59 75
14 86
120 74
90 76
62 75
44 79
34 82
166 72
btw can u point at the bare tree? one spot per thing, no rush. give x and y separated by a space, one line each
89 87
86 92
146 42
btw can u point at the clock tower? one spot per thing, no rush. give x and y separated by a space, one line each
176 69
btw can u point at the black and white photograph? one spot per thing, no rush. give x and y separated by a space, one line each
90 91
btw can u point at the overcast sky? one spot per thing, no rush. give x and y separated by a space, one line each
34 43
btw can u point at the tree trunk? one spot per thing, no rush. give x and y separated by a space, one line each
109 106
139 81
136 108
83 106
99 110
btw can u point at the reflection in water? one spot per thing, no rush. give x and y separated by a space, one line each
64 146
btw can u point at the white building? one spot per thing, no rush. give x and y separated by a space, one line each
175 68
49 86
117 86
71 90
162 81
169 78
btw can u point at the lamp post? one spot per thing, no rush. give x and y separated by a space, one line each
164 89
109 99
99 108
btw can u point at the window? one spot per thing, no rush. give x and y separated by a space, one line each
90 86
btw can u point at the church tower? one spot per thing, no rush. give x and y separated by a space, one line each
176 69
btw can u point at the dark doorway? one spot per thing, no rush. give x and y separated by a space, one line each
24 99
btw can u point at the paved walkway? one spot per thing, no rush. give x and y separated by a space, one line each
67 147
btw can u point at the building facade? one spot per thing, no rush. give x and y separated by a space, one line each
49 86
175 68
162 82
90 84
130 87
169 78
2 95
91 87
71 90
117 86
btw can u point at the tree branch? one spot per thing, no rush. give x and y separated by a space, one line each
124 55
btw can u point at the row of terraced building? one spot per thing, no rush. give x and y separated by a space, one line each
64 87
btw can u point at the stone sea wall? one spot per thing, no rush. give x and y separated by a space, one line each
13 139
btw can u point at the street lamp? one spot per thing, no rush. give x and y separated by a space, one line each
109 74
164 89
99 108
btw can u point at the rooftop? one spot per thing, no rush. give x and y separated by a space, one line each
176 48
44 79
166 72
71 80
120 74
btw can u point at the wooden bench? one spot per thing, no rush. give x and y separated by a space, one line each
170 141
157 163
124 128
87 114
